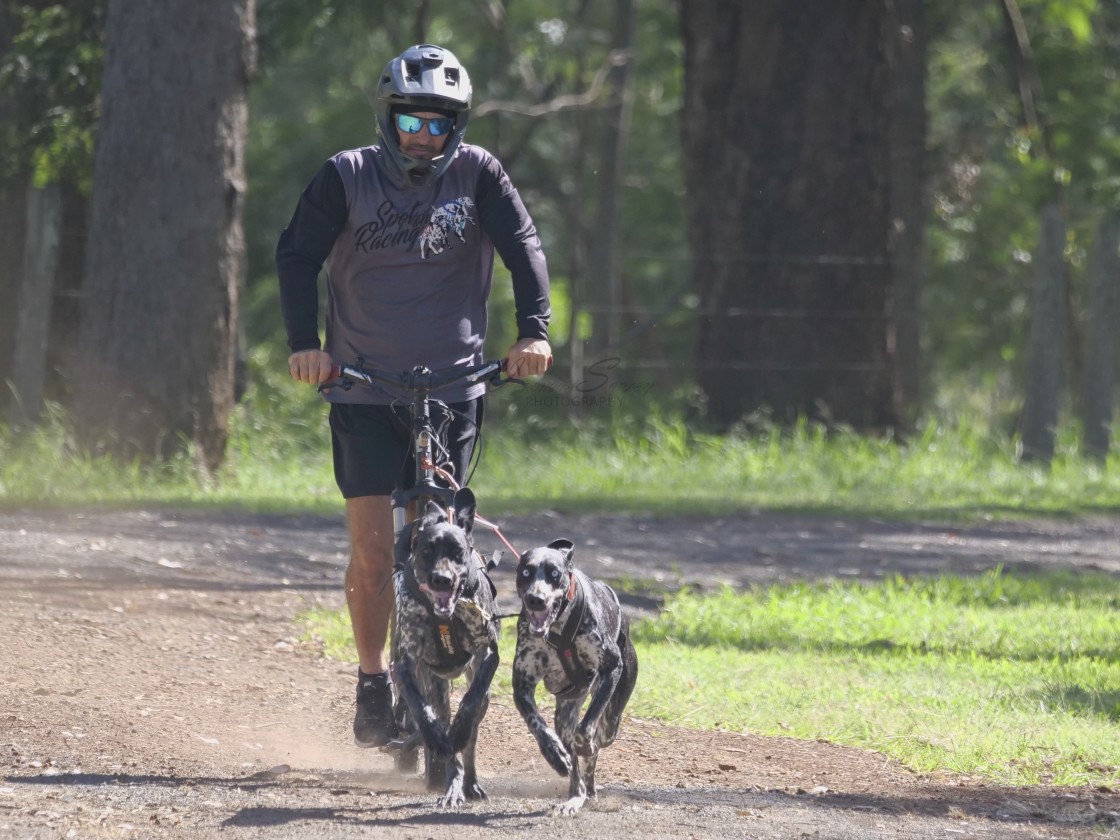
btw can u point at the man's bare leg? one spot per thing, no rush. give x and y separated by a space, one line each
369 598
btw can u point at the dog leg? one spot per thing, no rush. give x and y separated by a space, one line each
612 716
462 776
464 728
581 786
589 775
471 787
454 796
577 793
584 738
423 707
439 754
567 714
475 701
524 698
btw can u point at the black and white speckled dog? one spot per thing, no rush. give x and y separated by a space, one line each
573 635
445 627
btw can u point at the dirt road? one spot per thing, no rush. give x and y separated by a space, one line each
153 683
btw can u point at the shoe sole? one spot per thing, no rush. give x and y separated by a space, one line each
366 745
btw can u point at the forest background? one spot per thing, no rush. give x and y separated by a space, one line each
752 214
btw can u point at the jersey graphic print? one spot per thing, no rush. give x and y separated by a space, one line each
451 218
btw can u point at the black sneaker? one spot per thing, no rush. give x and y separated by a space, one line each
373 721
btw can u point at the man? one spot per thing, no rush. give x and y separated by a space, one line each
406 230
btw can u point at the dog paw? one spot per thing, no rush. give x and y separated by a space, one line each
555 754
454 797
569 808
475 791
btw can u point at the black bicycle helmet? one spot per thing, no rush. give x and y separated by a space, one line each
423 76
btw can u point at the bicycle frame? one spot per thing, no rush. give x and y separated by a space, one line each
419 383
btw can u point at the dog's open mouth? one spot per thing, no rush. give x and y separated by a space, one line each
443 600
539 620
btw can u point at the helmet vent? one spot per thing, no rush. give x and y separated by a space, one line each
451 75
411 70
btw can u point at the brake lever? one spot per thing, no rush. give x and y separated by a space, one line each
341 382
497 381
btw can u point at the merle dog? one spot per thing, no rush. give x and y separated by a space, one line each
573 635
445 627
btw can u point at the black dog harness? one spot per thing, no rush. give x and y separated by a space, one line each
563 642
449 649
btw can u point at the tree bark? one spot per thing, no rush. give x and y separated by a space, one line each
165 252
13 210
1044 356
1100 365
908 210
604 271
786 125
40 263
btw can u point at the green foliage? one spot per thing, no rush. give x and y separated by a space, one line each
51 76
991 173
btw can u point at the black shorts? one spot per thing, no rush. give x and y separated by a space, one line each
372 445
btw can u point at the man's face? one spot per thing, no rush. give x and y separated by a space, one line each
422 144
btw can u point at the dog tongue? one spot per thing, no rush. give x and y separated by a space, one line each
443 602
538 621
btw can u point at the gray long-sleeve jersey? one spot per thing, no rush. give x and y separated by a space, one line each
408 269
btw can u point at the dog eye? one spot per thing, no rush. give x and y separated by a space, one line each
526 572
554 575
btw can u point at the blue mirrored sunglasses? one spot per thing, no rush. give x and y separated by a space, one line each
437 126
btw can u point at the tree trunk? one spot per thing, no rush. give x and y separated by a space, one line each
13 210
786 119
40 263
1100 366
63 353
908 210
13 213
165 252
1044 356
603 267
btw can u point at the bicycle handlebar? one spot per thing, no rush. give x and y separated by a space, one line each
418 380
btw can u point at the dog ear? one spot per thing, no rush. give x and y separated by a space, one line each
465 507
565 547
432 514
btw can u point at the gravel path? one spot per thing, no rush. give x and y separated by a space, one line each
154 684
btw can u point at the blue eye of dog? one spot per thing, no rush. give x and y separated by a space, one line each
554 575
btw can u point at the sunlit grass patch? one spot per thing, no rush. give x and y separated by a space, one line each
1011 678
643 461
1016 679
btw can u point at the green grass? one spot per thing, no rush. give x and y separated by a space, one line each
1013 679
633 459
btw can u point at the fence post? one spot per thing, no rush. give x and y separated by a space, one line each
1044 355
1100 365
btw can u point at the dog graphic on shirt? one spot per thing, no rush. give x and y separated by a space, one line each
451 218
